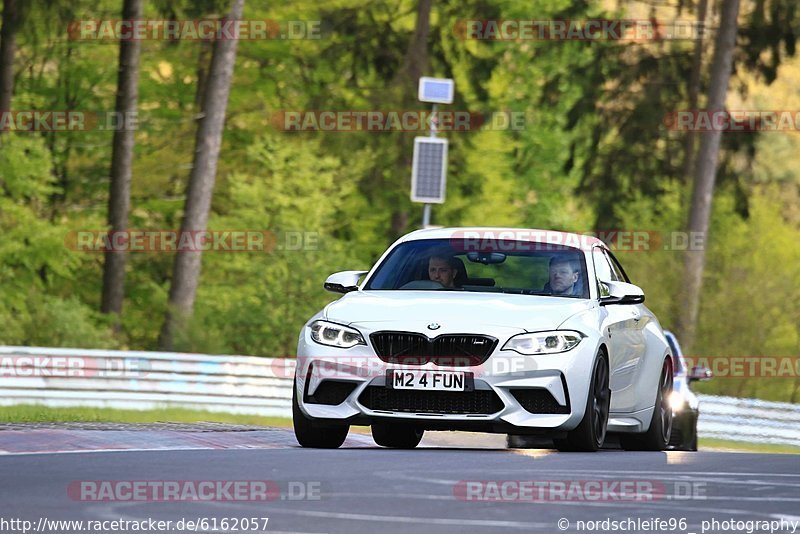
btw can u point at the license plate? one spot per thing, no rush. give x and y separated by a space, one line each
429 380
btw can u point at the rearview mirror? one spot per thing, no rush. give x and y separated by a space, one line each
343 282
486 258
620 293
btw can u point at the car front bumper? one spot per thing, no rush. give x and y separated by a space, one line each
512 392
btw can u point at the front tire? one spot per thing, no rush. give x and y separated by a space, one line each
515 441
396 435
657 436
310 433
590 433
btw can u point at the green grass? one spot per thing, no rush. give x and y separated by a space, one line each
705 443
42 414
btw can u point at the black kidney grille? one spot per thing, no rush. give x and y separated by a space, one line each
482 401
452 350
393 347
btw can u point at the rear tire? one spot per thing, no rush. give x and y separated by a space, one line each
693 443
396 436
310 433
590 433
656 438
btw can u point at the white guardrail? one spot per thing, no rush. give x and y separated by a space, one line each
749 420
263 386
137 380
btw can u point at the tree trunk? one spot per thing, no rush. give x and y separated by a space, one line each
202 74
119 199
8 45
415 64
694 89
707 158
186 272
416 59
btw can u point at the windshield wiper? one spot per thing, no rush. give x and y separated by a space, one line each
524 292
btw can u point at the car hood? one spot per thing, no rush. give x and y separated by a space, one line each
453 311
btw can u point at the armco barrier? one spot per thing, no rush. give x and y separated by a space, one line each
749 420
263 386
146 380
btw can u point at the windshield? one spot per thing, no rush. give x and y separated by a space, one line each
519 267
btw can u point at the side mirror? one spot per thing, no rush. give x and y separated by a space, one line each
620 293
343 282
700 373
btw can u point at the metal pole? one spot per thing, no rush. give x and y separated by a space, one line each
426 208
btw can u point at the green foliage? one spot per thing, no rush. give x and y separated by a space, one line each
656 267
33 265
751 302
749 305
256 302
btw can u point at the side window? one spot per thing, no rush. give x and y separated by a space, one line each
621 276
602 267
603 271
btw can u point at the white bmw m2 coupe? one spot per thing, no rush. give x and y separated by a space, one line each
528 332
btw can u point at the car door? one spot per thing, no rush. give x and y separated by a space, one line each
620 323
644 346
630 398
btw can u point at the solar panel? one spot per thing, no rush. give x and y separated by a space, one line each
429 170
436 90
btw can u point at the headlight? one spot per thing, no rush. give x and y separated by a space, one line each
544 342
335 335
676 401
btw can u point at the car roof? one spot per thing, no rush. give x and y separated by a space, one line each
581 241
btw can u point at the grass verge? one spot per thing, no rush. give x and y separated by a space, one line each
706 443
27 413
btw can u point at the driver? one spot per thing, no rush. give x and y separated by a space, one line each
565 274
443 269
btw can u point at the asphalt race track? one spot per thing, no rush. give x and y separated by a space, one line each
451 483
